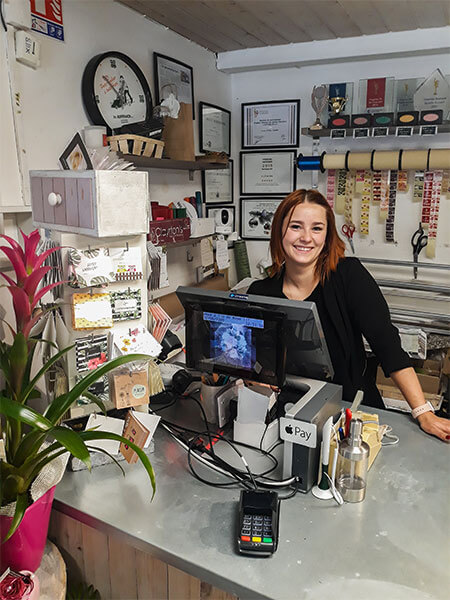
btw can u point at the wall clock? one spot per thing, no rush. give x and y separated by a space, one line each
115 92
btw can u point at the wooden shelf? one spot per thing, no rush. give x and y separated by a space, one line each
145 162
189 242
318 133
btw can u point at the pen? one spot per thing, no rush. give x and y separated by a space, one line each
341 433
348 418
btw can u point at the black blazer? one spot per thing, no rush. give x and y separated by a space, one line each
356 307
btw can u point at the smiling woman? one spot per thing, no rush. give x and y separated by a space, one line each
309 264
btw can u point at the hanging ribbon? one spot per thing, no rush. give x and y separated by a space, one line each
384 194
418 186
445 183
340 195
402 181
376 186
359 181
365 203
391 210
331 186
426 198
349 191
434 214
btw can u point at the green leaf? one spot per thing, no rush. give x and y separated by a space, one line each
29 446
95 400
106 435
72 442
103 451
61 405
45 368
21 507
18 360
24 414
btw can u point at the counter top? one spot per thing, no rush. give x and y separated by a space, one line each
395 544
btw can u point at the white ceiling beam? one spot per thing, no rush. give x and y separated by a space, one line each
419 42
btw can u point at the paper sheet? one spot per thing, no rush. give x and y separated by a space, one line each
222 254
102 423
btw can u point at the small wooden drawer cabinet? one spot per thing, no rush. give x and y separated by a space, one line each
95 203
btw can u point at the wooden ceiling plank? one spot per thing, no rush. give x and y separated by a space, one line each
334 17
271 13
149 11
176 11
297 11
364 14
235 11
396 14
205 10
430 13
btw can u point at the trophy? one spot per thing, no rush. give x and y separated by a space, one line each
319 100
337 104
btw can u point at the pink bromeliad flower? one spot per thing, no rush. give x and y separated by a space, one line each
29 272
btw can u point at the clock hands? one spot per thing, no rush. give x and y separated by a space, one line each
110 84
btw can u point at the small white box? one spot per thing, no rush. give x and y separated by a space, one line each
202 227
28 49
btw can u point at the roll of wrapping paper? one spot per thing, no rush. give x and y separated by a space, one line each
384 194
331 186
359 160
365 203
391 211
426 198
241 259
359 181
402 181
418 186
349 191
334 161
414 159
339 204
430 249
376 186
439 158
385 161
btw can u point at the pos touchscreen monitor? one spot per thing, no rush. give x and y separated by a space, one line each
254 337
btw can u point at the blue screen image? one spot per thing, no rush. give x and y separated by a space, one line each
231 339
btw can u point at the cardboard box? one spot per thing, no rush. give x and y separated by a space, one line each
394 399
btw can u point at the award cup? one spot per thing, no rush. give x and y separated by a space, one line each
337 105
319 100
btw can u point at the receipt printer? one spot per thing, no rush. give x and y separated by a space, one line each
301 427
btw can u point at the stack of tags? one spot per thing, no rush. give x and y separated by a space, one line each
91 352
160 321
91 311
139 429
157 257
156 384
126 304
127 263
136 340
130 388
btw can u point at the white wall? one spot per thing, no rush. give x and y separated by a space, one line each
291 83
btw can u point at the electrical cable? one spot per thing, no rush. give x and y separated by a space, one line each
2 16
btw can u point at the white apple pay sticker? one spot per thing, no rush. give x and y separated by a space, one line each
298 432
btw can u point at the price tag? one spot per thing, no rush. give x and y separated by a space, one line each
338 134
428 130
403 131
380 131
361 132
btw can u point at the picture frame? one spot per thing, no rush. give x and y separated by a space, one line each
172 72
256 216
270 124
214 128
270 173
76 157
217 185
226 224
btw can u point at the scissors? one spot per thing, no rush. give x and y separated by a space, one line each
418 241
348 229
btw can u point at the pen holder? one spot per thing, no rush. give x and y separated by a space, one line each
208 399
370 434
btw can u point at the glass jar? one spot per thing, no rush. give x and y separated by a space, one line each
353 460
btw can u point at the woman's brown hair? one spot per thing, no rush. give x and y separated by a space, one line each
334 248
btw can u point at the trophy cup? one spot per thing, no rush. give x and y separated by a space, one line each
319 100
336 105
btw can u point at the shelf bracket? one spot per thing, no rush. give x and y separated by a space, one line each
191 175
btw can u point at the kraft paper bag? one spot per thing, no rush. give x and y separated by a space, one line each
178 135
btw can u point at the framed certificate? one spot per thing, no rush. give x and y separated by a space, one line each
218 185
215 127
256 217
273 124
271 173
172 74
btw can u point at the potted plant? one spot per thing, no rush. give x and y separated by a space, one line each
32 441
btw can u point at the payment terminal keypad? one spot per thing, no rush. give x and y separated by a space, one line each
258 518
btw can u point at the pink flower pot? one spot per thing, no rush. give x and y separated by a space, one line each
24 549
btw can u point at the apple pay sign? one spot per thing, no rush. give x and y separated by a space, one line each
298 432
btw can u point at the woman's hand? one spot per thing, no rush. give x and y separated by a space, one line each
434 425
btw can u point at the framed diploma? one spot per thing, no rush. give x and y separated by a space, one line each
171 73
218 185
215 127
271 173
256 217
273 124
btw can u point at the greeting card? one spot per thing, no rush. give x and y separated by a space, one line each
91 311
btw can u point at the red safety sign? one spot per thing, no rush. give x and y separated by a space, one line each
47 17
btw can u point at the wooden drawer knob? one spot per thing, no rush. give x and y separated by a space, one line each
54 199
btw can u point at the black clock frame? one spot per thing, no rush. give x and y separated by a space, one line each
88 91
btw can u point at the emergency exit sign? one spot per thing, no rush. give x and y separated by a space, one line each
47 18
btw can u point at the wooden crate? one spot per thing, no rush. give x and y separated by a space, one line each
140 146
